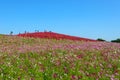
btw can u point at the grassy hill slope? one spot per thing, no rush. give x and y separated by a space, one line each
53 35
50 59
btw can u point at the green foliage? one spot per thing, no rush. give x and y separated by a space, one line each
26 66
117 40
100 39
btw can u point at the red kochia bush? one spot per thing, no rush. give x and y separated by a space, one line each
52 35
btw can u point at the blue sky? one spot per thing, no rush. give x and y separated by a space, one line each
85 18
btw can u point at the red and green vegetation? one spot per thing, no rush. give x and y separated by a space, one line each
25 58
53 35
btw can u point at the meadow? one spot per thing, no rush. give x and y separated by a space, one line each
50 59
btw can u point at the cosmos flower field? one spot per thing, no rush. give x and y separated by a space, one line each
50 59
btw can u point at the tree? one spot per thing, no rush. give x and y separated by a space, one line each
11 33
36 30
100 39
117 40
25 32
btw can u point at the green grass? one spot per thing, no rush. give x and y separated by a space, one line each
26 66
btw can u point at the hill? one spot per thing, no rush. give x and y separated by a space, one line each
24 58
53 35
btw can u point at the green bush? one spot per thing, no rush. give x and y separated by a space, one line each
117 40
100 39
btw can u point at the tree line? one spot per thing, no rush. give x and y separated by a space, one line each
99 39
116 40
